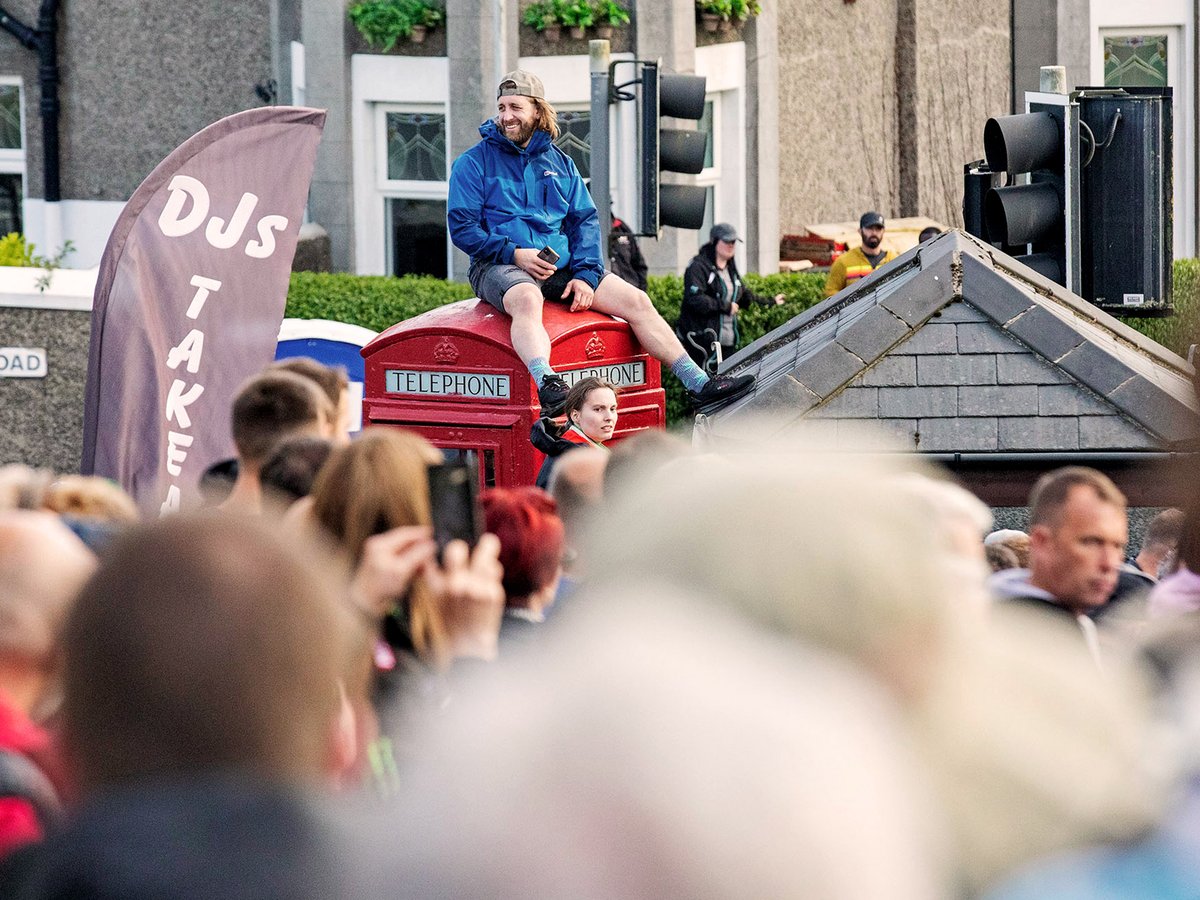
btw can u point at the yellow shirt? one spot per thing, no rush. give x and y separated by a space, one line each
850 267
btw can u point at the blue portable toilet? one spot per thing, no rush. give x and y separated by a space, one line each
333 344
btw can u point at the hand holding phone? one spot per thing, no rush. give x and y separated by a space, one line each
547 254
453 502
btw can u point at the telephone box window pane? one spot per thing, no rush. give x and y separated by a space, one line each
1135 60
574 139
416 147
489 468
417 229
10 117
11 193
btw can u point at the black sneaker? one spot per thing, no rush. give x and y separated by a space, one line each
721 388
552 395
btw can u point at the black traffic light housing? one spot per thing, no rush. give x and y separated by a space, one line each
1087 198
1037 212
1125 201
670 150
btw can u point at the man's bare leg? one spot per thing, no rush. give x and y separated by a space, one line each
616 297
523 303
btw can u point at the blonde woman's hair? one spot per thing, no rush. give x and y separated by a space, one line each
371 486
90 497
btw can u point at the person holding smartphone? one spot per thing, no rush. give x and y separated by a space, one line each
519 208
591 409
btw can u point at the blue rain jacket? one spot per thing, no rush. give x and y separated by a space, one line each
503 197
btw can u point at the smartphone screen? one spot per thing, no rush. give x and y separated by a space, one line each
453 502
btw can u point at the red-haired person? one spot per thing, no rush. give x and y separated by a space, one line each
532 541
591 409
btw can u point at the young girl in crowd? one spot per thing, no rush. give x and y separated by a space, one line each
591 410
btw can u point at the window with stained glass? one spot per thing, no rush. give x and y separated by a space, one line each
574 138
416 146
1135 60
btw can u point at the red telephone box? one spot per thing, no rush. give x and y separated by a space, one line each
451 376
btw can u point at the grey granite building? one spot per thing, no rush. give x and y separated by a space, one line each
957 351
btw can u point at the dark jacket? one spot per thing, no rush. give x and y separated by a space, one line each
553 440
626 256
704 302
237 838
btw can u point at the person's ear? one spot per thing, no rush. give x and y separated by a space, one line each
1040 535
573 417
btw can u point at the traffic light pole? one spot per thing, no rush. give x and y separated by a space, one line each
598 52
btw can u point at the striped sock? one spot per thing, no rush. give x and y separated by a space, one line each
539 368
692 376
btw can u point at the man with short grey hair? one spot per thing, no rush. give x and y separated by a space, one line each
1077 536
519 208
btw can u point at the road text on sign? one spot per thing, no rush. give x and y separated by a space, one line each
23 362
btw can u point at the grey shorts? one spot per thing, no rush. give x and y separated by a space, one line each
491 281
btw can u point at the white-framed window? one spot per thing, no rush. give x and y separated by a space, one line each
411 176
1151 44
12 155
710 176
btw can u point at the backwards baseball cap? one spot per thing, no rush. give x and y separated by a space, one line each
521 84
869 219
723 232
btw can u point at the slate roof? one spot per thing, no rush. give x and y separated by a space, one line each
957 347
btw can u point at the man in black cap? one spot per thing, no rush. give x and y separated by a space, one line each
861 261
518 207
713 293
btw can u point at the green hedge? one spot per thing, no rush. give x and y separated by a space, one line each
1182 329
372 301
378 302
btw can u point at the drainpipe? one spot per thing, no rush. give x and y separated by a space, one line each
44 40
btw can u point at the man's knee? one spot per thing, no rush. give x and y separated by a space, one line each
627 301
640 305
523 301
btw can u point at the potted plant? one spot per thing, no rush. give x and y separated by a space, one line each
383 22
577 15
741 10
608 15
430 17
543 16
714 13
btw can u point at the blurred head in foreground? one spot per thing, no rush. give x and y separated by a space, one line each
657 748
838 552
202 646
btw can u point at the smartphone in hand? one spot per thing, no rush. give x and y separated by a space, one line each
454 502
546 254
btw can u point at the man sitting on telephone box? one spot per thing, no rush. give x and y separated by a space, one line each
519 208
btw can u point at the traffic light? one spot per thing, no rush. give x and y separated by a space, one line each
1037 212
1126 193
670 150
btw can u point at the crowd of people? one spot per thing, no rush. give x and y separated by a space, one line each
753 672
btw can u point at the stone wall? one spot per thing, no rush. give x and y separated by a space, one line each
962 80
837 111
41 419
136 80
881 104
